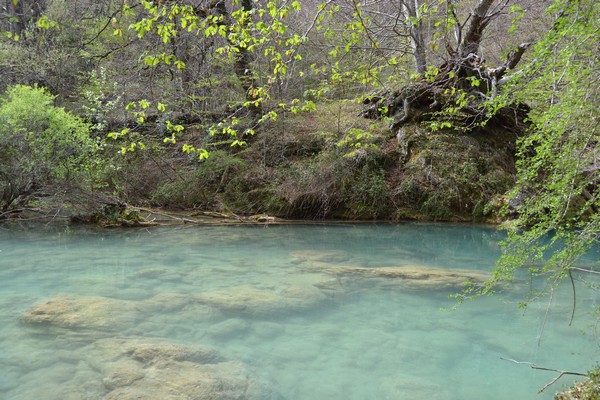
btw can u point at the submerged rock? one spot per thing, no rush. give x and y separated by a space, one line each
157 370
82 312
185 380
425 277
153 353
162 274
412 276
122 377
102 314
228 328
326 256
248 299
171 302
243 299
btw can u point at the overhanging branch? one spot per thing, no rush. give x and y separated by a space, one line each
561 373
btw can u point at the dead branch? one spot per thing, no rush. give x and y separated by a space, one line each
8 213
589 271
535 366
180 219
546 316
574 296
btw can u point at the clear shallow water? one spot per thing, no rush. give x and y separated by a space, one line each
281 301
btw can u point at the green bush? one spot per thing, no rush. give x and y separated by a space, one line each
41 146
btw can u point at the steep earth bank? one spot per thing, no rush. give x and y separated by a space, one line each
334 164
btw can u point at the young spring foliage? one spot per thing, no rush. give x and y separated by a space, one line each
267 46
556 199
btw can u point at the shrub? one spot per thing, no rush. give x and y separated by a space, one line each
41 146
202 185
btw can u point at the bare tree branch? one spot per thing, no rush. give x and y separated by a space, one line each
589 271
574 296
561 373
546 315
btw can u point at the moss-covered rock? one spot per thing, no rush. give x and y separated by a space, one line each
450 175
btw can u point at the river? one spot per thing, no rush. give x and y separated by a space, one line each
295 312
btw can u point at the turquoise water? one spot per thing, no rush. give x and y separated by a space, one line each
295 305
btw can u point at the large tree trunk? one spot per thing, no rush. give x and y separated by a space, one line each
417 37
479 19
462 76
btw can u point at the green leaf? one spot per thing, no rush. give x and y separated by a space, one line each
44 22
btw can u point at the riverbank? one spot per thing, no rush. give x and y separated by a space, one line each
331 164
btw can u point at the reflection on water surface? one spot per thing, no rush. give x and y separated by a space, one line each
272 312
